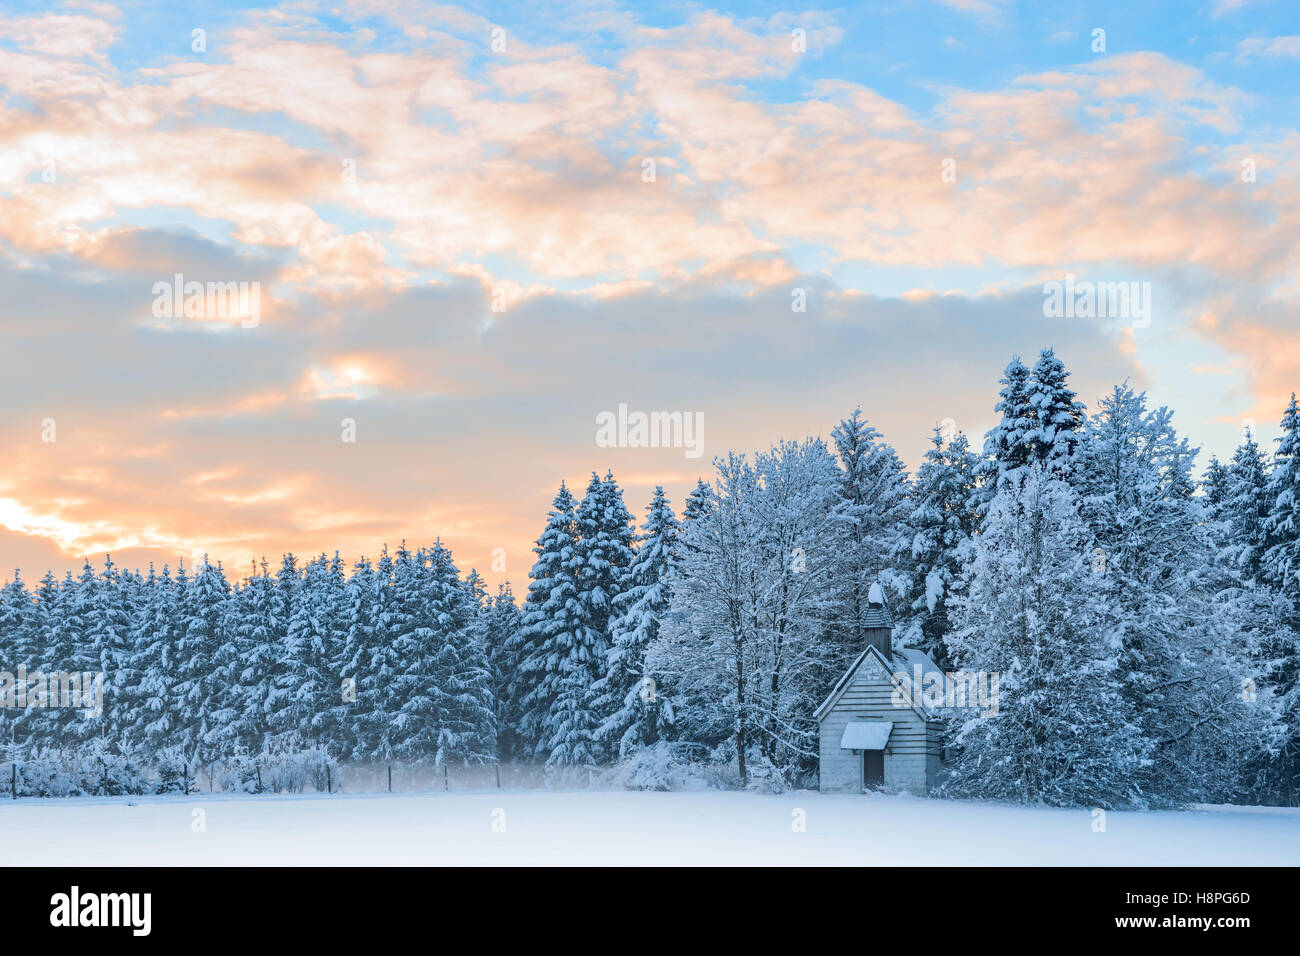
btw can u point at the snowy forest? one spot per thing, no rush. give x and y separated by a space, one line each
1141 610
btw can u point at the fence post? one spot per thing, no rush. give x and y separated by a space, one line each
498 776
446 778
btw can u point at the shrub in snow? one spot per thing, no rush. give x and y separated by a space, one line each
174 772
292 771
94 769
240 774
109 771
663 766
48 772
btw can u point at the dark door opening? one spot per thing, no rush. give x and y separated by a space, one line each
873 768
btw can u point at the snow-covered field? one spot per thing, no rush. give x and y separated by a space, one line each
602 827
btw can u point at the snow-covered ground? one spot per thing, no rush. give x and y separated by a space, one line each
602 827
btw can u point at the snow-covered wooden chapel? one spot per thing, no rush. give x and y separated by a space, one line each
875 732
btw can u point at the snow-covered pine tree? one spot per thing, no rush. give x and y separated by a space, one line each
604 552
943 523
17 634
413 632
17 614
254 667
1281 564
627 696
381 731
501 622
356 664
76 651
108 637
1214 484
1009 445
1280 568
304 680
875 490
697 502
1063 734
551 626
605 538
154 643
1180 674
1057 416
204 640
1245 510
466 726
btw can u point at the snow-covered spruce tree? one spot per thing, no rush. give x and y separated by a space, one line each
942 523
876 493
604 547
1180 666
360 636
17 633
304 684
1281 564
154 641
697 502
1009 445
628 695
250 674
551 628
107 627
412 633
1063 735
605 539
1245 511
381 729
1057 416
1280 568
462 682
203 640
285 597
1214 484
71 648
501 621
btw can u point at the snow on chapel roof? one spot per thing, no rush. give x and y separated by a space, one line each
866 734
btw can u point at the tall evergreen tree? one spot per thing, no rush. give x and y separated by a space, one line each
203 640
501 623
1245 508
1057 416
1063 733
461 677
1010 444
943 523
876 492
627 695
1281 562
553 629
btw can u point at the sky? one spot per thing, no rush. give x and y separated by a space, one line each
465 232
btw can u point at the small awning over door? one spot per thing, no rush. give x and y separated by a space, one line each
866 735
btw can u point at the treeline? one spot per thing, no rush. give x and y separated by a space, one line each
1143 621
263 684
